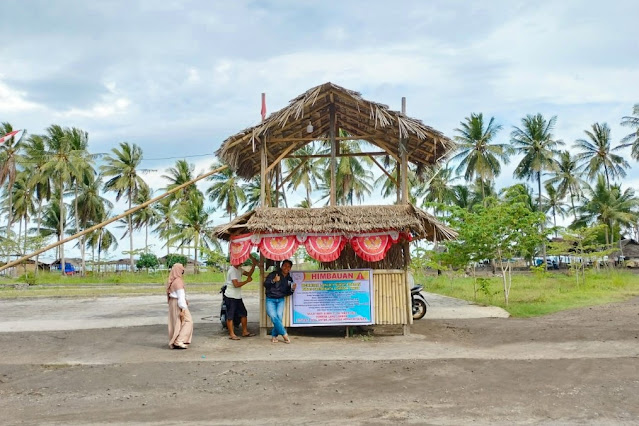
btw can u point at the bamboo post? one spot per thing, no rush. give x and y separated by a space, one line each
333 197
113 219
404 158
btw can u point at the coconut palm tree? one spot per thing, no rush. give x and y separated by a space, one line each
53 215
102 239
440 187
608 206
193 225
631 139
306 172
478 156
353 180
89 207
182 172
147 216
554 204
568 179
64 164
9 158
596 154
23 206
538 145
79 142
166 212
226 190
123 169
35 154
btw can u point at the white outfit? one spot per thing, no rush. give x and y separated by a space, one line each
233 292
180 295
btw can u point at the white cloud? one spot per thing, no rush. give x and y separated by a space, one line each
14 101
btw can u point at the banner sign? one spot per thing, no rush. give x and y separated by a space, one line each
339 297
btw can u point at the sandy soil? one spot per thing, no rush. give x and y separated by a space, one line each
575 367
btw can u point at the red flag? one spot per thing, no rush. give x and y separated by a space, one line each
8 136
263 106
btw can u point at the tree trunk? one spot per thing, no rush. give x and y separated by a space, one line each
62 260
572 201
543 222
146 238
77 226
130 232
197 243
9 219
38 232
99 250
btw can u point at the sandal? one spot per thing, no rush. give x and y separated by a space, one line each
234 338
274 340
286 339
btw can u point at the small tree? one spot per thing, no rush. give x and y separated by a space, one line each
496 230
148 261
174 258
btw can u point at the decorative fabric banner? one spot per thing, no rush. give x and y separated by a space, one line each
325 248
371 248
278 247
240 249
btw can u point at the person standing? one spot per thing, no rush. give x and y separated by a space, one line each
278 284
180 320
233 298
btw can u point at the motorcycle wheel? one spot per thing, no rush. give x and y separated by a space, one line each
419 309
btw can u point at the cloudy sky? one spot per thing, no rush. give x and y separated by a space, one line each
178 77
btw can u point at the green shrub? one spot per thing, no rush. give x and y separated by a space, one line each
173 258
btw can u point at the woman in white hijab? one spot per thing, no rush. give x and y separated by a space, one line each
180 321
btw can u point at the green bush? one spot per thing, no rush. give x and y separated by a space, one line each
147 260
173 258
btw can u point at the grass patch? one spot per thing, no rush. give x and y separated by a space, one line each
121 284
540 294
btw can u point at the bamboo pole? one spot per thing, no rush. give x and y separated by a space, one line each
333 197
113 219
404 162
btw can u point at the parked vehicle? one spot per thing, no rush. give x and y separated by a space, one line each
419 302
223 318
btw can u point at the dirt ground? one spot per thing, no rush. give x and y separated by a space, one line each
574 367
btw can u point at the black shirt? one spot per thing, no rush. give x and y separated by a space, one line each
282 288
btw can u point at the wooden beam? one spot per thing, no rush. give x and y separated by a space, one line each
263 166
348 154
311 139
281 156
384 170
113 219
404 157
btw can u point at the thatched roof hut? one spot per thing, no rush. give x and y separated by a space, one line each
286 130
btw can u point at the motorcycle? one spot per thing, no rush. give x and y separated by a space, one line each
419 302
236 321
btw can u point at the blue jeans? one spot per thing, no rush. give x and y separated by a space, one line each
275 311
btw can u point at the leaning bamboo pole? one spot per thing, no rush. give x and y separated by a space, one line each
113 219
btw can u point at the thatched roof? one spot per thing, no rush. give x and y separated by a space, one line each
338 219
630 249
285 130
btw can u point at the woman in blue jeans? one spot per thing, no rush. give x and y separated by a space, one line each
278 285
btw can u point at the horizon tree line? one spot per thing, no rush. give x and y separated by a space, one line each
52 181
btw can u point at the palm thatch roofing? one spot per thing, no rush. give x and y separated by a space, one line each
338 219
285 131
